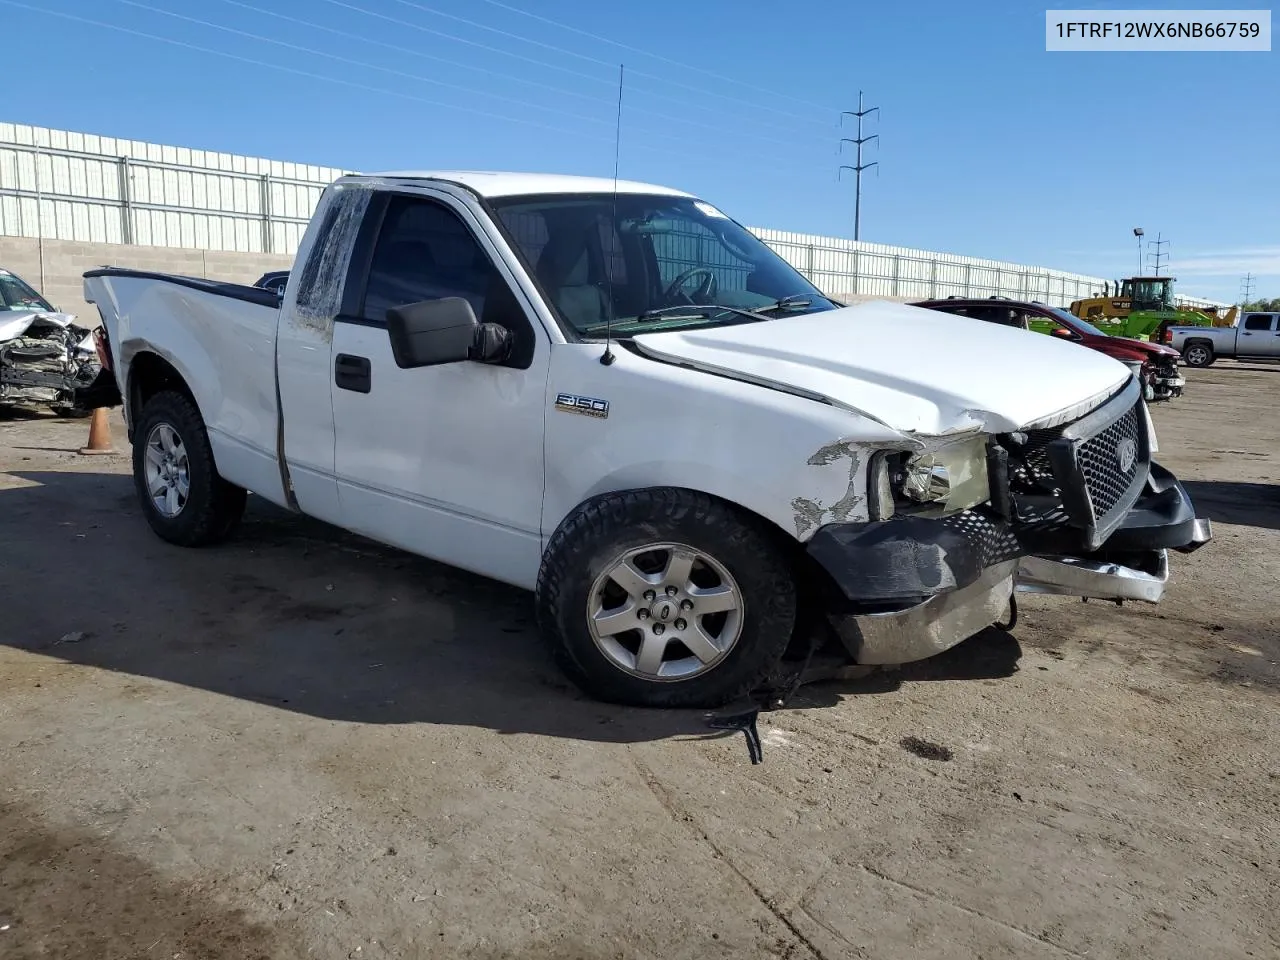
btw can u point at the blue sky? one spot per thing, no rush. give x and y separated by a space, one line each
989 145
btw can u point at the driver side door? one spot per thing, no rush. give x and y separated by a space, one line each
444 461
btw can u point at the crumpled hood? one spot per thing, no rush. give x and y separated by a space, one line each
916 370
14 323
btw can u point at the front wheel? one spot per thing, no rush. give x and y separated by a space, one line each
183 497
665 598
1198 355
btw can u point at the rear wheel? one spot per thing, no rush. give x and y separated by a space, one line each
1198 355
665 598
184 499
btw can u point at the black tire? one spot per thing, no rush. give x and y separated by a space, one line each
602 529
213 506
1198 354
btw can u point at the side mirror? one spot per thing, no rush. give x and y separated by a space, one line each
434 332
1062 333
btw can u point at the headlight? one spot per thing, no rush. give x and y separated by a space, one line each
939 481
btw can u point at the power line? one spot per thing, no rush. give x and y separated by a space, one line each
647 53
359 63
346 34
356 85
417 53
596 60
548 64
399 73
860 166
292 70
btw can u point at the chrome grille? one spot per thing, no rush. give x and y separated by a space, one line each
1102 460
1082 475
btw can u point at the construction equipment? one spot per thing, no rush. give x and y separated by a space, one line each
1141 306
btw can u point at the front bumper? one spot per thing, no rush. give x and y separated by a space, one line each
913 587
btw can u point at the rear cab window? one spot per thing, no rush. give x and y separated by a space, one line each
1260 321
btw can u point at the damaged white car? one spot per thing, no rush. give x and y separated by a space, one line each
45 358
617 397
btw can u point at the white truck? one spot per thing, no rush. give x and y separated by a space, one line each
615 396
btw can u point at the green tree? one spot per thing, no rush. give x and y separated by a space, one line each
1266 306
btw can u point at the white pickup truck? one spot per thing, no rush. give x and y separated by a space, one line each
617 397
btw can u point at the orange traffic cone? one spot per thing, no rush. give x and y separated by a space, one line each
99 434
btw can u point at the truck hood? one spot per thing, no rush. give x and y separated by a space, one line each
915 370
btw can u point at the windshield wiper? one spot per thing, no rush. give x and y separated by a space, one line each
693 311
797 301
677 312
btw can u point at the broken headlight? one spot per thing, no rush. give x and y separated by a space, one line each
938 481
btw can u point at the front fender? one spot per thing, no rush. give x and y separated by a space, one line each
796 462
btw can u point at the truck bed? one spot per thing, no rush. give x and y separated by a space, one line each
221 338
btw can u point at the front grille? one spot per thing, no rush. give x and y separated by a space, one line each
1082 475
1103 457
994 541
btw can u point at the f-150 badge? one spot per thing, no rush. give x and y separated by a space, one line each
587 406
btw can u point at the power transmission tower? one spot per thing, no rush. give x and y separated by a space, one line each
1159 254
859 166
1246 287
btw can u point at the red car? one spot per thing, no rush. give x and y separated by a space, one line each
1155 365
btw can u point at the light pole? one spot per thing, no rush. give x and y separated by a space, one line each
1137 232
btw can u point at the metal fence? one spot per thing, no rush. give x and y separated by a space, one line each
59 185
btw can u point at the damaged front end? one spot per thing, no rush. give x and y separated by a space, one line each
1076 509
46 360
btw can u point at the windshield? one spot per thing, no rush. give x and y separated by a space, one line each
16 295
1072 322
646 263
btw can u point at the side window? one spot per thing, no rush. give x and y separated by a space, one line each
1258 321
425 252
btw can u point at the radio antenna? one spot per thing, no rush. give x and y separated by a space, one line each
607 357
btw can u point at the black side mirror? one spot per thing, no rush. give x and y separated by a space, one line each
433 332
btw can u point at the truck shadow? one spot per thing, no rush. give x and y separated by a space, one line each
301 616
1245 504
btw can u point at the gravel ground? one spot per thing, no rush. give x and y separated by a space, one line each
303 744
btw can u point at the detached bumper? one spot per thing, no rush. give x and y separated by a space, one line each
914 587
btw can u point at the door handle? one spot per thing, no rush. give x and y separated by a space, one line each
352 373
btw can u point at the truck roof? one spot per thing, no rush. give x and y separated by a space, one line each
489 183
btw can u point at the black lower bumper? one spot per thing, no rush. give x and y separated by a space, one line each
913 558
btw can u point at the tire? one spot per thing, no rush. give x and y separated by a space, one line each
211 507
1198 354
653 532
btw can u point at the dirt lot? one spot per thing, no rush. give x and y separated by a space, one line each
301 744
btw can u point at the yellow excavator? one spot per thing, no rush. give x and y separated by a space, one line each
1141 306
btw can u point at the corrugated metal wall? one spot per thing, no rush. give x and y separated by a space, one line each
76 186
876 269
58 185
